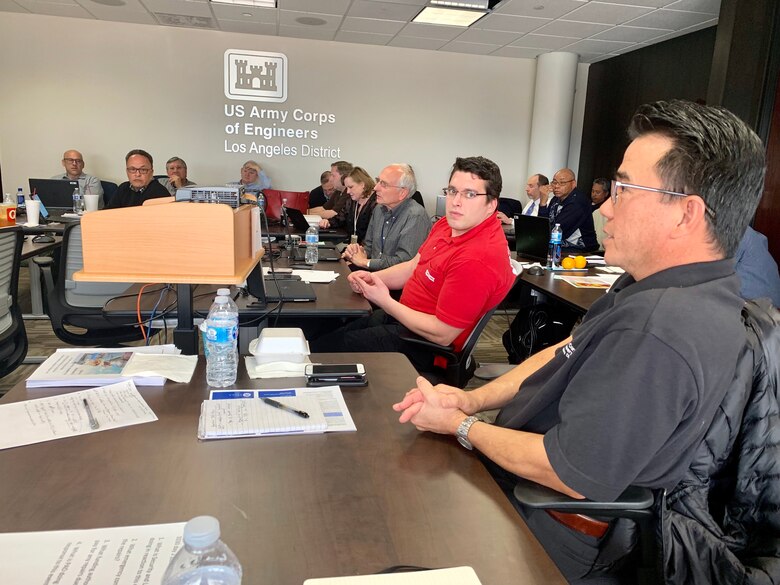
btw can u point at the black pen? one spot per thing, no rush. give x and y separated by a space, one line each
280 406
93 423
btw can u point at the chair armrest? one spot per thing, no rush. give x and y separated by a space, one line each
534 495
414 339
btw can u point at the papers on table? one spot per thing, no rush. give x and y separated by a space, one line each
93 367
67 415
310 276
328 401
604 281
275 369
119 556
453 576
178 368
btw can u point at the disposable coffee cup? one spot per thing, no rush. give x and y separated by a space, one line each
295 241
91 202
33 212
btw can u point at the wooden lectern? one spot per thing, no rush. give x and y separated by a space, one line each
173 243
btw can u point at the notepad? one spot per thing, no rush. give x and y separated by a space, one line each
248 417
453 576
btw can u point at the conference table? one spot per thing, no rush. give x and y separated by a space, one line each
290 507
30 249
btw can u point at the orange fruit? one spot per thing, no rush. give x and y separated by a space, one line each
567 263
580 262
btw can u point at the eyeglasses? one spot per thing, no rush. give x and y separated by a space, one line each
135 171
386 185
452 192
250 170
556 183
618 188
73 161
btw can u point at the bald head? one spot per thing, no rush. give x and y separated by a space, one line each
73 163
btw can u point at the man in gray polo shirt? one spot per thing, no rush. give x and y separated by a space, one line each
73 163
628 398
398 225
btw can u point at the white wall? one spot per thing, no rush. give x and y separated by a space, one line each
105 88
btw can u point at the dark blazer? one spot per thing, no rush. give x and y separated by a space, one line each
346 218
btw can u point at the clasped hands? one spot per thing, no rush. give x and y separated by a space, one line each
356 254
439 409
370 286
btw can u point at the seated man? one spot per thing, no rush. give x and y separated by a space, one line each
339 170
141 184
176 170
398 225
757 269
598 195
253 178
627 399
461 272
571 208
538 189
74 171
320 195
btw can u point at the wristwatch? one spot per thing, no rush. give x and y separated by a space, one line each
463 432
368 264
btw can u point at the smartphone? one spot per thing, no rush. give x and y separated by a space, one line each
334 370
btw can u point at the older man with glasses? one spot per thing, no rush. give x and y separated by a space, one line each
73 162
141 185
571 208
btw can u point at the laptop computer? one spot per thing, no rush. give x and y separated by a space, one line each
532 237
287 290
326 254
299 222
56 195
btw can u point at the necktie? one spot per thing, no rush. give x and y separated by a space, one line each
530 210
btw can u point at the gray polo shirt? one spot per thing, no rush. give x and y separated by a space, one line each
630 398
87 184
395 235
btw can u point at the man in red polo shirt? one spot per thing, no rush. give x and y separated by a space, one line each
461 271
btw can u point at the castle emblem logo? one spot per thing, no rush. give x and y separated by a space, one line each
256 76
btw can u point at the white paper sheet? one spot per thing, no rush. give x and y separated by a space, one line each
453 576
65 415
178 368
103 556
274 369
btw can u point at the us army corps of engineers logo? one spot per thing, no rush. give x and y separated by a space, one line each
256 76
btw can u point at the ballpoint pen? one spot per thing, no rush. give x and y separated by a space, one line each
280 406
93 423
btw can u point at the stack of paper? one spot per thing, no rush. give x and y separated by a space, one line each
454 576
93 367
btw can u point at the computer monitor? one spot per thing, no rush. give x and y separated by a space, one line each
441 205
532 237
56 194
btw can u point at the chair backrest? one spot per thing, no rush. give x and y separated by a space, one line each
13 337
417 196
509 206
273 201
109 189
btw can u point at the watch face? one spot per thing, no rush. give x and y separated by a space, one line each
465 443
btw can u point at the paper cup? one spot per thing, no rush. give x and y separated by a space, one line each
91 201
33 212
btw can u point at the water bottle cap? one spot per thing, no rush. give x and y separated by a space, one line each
221 299
201 531
223 292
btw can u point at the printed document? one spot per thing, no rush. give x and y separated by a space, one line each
453 576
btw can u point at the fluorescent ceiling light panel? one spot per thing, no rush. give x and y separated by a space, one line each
256 3
448 16
473 4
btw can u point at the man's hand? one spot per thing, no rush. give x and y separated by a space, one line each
437 409
176 181
372 288
544 191
354 279
502 217
356 254
324 224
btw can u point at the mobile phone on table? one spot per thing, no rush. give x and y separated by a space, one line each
341 374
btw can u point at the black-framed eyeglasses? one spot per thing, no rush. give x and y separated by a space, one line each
618 187
135 171
386 185
556 182
452 192
74 161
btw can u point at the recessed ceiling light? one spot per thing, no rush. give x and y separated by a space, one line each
258 3
448 16
539 7
110 2
311 21
247 14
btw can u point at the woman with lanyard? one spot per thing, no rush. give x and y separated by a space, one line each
356 214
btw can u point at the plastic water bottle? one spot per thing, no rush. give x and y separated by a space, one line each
312 245
261 202
554 251
21 205
222 340
283 213
78 201
204 558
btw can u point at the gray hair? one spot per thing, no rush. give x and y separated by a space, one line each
174 159
407 181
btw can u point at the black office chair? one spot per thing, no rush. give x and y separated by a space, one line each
73 304
13 336
109 189
460 364
417 196
509 206
721 523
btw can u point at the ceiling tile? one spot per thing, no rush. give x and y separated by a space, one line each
307 32
602 13
432 31
549 8
707 6
632 34
267 15
55 8
519 24
565 28
290 18
185 7
131 16
372 25
473 48
363 38
417 43
316 6
597 47
646 3
546 42
248 27
630 48
488 37
11 6
411 2
518 52
671 19
388 10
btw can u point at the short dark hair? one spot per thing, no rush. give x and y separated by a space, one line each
606 184
542 179
325 177
343 167
485 169
714 155
139 152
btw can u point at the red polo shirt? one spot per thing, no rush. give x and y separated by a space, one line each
459 279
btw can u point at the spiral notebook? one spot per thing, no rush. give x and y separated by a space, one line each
249 417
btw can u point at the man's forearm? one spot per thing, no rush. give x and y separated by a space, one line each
395 276
423 324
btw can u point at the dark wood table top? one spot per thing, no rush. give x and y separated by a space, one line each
276 230
31 249
579 299
290 507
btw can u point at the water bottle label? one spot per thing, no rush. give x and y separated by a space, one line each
556 238
311 239
216 334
